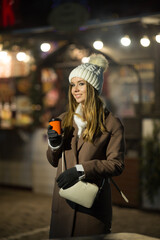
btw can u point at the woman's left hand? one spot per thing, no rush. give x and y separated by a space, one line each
68 178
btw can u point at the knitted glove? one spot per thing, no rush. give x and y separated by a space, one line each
68 178
54 138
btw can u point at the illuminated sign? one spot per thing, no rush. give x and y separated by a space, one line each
7 13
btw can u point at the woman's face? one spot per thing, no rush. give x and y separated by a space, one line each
79 89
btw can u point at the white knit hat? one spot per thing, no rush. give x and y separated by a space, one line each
92 72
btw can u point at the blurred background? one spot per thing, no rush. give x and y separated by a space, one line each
41 41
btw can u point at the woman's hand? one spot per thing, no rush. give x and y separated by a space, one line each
54 138
68 178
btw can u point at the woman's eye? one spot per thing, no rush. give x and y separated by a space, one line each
81 84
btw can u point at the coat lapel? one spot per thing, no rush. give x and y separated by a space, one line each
74 139
80 143
76 142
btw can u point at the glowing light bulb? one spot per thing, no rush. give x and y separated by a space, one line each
4 57
85 59
21 56
3 54
45 47
98 45
158 38
145 42
125 41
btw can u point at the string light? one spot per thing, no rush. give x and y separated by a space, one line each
85 59
3 54
157 38
45 47
125 41
4 57
98 45
21 56
145 42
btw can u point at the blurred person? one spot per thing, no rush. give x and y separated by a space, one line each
93 144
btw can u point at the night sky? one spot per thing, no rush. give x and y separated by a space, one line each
35 13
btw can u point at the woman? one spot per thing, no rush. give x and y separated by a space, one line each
93 144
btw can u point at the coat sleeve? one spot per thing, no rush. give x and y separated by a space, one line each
54 156
113 164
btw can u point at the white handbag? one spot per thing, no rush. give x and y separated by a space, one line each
82 193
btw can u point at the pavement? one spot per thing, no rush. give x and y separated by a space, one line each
25 215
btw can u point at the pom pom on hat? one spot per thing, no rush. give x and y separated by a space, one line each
92 72
99 60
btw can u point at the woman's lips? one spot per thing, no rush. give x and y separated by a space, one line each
77 96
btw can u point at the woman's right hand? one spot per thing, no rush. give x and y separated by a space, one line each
54 138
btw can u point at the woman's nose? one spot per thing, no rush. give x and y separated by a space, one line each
76 88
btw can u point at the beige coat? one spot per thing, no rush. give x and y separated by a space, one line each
102 159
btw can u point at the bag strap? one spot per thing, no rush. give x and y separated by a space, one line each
122 194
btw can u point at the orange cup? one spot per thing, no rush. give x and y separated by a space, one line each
56 125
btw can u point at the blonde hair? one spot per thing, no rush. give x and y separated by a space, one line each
94 114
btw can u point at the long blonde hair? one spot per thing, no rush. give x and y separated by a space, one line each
93 113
